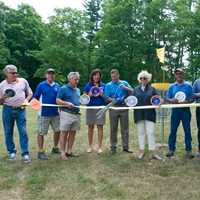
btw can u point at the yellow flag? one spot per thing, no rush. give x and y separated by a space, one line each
161 54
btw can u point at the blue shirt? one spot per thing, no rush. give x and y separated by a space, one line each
183 87
95 101
114 90
196 89
47 94
69 94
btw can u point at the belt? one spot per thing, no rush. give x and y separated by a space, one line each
14 107
74 113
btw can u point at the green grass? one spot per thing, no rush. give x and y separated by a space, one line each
99 177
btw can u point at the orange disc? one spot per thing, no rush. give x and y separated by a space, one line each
35 104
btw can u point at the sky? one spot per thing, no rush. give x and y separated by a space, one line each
45 7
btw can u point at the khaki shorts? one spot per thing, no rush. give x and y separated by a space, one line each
44 122
91 117
69 122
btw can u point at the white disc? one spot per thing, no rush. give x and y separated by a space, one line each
180 96
84 99
131 101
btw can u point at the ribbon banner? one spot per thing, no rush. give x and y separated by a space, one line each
36 105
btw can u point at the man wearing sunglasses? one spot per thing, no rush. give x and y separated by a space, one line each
14 112
180 114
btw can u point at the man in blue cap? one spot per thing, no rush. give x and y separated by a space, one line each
46 92
180 114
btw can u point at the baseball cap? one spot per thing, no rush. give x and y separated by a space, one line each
50 70
178 70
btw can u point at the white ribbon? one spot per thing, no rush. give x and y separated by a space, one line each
188 105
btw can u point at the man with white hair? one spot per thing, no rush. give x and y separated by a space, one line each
15 91
68 97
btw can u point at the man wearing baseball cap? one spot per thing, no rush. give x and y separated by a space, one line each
46 92
180 92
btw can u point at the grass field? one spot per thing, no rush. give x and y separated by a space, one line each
99 177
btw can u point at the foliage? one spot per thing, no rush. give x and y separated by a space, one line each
107 34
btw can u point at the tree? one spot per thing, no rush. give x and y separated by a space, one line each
4 51
193 70
64 45
24 33
93 18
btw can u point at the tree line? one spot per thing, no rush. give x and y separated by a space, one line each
122 34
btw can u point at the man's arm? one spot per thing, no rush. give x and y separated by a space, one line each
127 87
64 103
2 100
28 91
60 101
190 97
38 92
2 97
169 96
195 90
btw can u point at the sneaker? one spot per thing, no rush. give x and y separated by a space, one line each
156 157
63 157
113 150
170 154
72 155
26 159
89 150
127 151
42 156
12 156
55 150
198 154
141 156
189 155
99 151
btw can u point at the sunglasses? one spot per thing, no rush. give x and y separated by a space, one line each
179 73
143 78
13 73
76 79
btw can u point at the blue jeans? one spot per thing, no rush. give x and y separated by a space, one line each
178 115
10 116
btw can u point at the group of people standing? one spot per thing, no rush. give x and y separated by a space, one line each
65 120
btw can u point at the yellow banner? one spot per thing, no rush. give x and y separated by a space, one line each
161 54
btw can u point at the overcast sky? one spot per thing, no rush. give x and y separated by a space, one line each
45 7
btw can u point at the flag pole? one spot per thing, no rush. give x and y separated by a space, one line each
161 56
